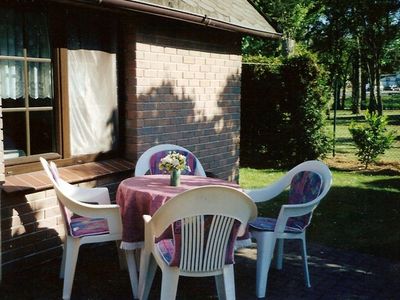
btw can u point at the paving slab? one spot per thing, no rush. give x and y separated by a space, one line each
334 275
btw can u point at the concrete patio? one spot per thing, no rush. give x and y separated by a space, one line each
334 275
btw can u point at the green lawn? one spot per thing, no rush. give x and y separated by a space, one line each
361 211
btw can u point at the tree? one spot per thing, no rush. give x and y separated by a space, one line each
288 17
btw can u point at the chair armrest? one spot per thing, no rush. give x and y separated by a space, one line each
269 192
98 195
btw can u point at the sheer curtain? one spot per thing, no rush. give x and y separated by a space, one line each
92 79
92 83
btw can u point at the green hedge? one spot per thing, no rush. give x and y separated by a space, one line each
283 107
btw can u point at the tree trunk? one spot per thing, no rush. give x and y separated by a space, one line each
343 100
355 84
364 81
378 88
372 106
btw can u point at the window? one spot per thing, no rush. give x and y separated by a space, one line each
26 84
59 96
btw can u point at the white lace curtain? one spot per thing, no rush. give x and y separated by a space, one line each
15 27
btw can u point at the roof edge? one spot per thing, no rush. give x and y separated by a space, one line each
171 13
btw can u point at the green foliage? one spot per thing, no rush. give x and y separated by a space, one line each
284 101
371 138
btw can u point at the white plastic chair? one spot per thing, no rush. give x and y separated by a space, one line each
206 222
143 163
88 218
267 234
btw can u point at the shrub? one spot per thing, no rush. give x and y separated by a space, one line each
371 138
283 108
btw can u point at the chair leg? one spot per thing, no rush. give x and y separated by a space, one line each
265 248
64 254
72 248
220 285
305 262
169 283
229 282
148 268
133 274
121 257
279 254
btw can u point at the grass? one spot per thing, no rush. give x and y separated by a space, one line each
344 144
360 213
362 210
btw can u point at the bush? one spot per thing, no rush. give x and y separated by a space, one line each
371 138
283 108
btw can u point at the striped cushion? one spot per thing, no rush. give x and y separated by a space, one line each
83 226
156 158
268 224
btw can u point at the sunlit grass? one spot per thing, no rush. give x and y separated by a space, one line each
360 213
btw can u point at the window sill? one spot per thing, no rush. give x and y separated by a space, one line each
38 181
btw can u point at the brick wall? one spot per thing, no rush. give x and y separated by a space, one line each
183 87
32 227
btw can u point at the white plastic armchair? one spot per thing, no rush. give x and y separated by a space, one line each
143 163
267 231
88 218
205 221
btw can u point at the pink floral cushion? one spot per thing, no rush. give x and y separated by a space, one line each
305 187
83 226
156 158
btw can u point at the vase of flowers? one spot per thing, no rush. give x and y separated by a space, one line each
174 163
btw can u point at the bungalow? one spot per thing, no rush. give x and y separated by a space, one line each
92 84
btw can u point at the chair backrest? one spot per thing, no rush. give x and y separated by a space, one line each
81 218
304 188
206 222
273 190
52 172
148 161
309 183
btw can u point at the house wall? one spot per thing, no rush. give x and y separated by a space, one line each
183 87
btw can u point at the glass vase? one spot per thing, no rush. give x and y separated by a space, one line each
175 178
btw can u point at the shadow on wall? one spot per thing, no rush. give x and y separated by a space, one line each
208 124
24 233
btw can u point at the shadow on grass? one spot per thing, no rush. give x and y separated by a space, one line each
354 218
393 183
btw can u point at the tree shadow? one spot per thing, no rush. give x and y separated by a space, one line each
354 219
209 127
392 183
24 233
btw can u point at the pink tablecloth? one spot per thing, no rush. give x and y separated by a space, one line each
143 195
